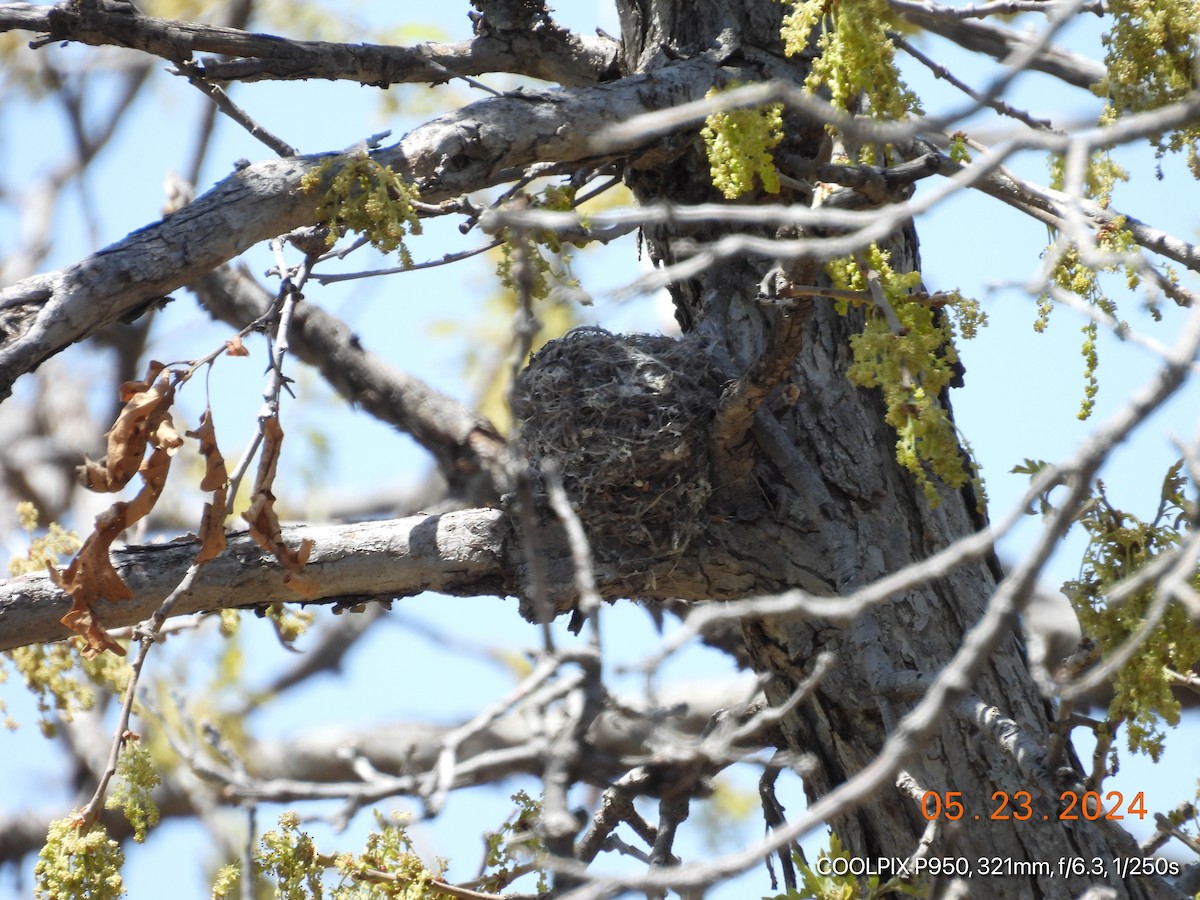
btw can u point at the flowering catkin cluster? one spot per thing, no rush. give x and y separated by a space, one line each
911 368
740 144
1152 52
366 197
856 55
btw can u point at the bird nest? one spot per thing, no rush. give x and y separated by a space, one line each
626 420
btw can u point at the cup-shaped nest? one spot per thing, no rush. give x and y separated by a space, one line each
627 419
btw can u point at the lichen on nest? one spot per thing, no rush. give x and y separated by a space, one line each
627 419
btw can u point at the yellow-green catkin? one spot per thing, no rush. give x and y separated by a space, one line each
1152 54
78 863
131 790
740 145
1119 545
856 58
540 275
367 197
911 368
1070 273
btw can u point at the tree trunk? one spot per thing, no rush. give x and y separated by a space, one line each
841 515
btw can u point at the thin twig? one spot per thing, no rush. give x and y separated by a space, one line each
581 551
146 633
249 882
1166 828
1012 7
226 105
875 288
616 806
400 270
940 71
441 776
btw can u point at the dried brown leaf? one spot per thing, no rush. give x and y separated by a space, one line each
93 476
264 522
216 479
91 577
144 421
216 475
82 622
268 460
212 526
154 476
164 436
235 347
145 417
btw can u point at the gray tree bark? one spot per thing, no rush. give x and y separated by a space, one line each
845 515
821 504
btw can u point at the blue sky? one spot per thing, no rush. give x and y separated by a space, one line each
1021 394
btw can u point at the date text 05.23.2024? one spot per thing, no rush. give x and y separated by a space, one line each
1090 805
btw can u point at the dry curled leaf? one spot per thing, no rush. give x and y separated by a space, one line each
91 577
216 479
212 526
267 533
144 421
216 475
154 477
145 418
235 347
82 622
264 522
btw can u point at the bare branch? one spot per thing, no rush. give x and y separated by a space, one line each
468 449
940 71
552 54
1012 7
146 633
476 147
860 227
460 554
226 105
1000 43
46 313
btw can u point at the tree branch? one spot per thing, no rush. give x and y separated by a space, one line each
398 755
468 449
468 553
469 149
1048 205
44 314
552 54
576 60
464 554
1000 43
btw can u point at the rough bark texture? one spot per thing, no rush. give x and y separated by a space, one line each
816 501
530 46
463 553
469 149
843 516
